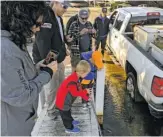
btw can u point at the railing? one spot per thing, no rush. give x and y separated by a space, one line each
100 88
97 103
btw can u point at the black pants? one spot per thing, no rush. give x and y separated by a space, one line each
67 119
103 43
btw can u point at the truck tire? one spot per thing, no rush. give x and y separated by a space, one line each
132 88
154 113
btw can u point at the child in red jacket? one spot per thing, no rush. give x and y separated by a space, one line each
69 89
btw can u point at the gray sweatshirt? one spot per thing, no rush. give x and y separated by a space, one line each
21 85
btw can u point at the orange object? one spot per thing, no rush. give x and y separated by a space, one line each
86 82
97 59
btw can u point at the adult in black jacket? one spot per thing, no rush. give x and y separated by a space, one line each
51 37
101 25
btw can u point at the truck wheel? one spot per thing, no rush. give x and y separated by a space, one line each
158 115
132 88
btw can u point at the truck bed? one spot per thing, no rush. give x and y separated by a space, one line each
145 53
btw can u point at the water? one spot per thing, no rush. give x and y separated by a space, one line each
122 116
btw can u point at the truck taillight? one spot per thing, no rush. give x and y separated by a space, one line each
157 86
153 14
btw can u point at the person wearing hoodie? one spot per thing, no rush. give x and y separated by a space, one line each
21 80
101 25
68 91
94 58
51 37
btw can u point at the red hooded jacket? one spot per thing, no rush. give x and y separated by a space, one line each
69 89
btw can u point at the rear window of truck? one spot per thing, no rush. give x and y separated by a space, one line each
143 20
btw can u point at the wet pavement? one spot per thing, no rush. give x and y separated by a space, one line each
123 117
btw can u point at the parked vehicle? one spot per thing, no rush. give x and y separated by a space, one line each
123 5
143 5
78 4
132 30
103 3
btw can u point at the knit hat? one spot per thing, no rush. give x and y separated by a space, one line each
97 59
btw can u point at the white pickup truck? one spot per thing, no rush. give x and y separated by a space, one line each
144 72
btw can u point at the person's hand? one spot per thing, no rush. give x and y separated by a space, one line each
83 31
69 39
94 48
90 99
93 31
89 90
53 65
40 64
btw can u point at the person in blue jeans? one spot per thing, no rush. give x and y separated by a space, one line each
101 25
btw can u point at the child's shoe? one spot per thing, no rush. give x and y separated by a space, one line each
75 122
74 130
